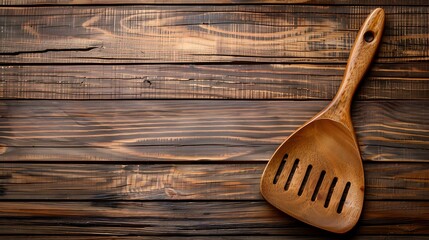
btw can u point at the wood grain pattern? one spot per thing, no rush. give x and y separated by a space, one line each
146 131
195 218
202 2
106 182
179 34
224 81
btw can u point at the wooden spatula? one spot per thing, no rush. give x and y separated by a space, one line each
316 175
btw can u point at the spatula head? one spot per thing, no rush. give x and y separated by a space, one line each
316 176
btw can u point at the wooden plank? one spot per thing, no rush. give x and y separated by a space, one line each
145 131
258 237
224 81
314 2
195 218
205 33
402 181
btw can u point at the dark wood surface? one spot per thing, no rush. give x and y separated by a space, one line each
155 119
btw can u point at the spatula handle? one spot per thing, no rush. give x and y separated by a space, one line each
361 55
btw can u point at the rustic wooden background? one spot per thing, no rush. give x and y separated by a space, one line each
141 119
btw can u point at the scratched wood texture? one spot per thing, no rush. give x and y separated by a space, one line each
109 130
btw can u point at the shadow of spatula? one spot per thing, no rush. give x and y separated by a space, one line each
316 175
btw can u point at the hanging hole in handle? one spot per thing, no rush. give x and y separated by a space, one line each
368 36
